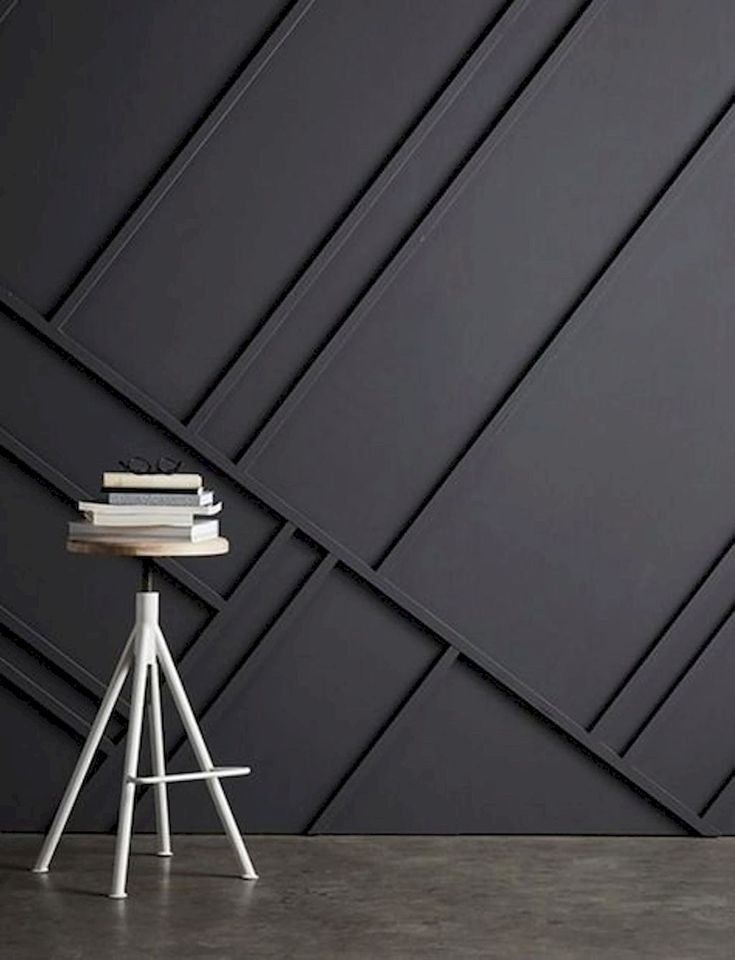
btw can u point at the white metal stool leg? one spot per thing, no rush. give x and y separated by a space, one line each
144 651
203 757
158 761
63 812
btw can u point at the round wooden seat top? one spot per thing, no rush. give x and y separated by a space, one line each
150 548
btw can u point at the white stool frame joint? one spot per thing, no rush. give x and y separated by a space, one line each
145 654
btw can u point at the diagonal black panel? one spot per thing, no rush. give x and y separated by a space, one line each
472 756
278 174
365 765
651 679
616 498
695 714
52 653
37 760
40 695
488 274
481 88
86 115
721 808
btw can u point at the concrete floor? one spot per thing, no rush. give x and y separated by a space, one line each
376 897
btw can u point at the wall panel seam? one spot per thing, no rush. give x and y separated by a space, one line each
31 688
177 166
28 635
7 10
498 418
613 701
360 209
707 807
360 769
289 612
678 679
429 222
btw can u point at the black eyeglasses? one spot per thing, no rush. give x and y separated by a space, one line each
140 465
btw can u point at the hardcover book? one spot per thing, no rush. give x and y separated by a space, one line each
164 499
119 480
132 515
199 530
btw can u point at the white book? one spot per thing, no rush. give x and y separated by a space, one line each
120 480
199 530
136 520
120 515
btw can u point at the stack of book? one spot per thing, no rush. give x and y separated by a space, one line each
151 506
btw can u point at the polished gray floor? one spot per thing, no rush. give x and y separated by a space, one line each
376 897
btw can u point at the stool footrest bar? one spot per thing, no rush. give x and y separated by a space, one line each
215 773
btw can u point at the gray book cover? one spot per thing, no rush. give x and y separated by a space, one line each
162 499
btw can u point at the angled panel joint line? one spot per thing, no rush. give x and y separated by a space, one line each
6 9
360 209
43 698
224 105
436 212
49 651
615 701
615 263
360 770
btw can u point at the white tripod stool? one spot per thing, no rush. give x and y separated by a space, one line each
144 651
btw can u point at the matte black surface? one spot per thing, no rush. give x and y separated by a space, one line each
274 178
598 494
565 175
439 299
474 99
528 782
93 97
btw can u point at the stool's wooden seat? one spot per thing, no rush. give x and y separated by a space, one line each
150 548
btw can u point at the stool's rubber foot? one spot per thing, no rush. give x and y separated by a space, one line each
39 869
117 896
249 876
164 853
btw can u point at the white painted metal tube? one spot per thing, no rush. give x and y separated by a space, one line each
203 757
85 758
158 762
144 640
220 772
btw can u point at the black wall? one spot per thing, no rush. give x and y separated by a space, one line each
440 298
